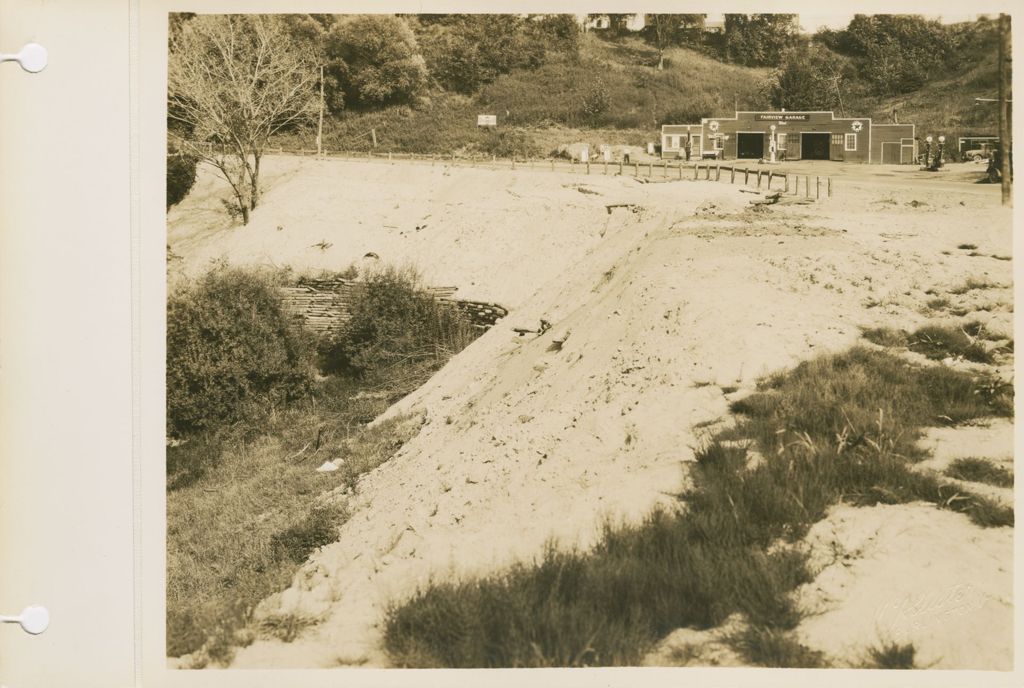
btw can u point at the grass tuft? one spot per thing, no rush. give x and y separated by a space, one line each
975 284
770 647
892 656
980 471
933 341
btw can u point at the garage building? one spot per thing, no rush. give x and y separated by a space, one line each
798 136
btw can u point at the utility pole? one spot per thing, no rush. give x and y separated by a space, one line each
1005 143
320 125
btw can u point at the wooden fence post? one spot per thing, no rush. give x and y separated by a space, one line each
759 179
786 188
769 180
664 170
552 164
636 169
650 170
620 168
588 165
732 175
746 175
817 187
696 171
718 172
830 187
679 167
807 185
606 168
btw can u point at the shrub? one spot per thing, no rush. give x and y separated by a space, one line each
181 176
232 351
394 323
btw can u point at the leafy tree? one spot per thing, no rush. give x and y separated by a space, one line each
759 40
663 30
558 32
375 59
465 51
896 53
811 77
233 82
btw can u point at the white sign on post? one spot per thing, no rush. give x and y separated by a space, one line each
487 120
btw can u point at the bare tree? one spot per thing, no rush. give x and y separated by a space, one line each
233 82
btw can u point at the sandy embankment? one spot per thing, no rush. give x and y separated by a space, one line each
663 315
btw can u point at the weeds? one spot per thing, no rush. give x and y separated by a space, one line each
285 627
975 284
967 247
838 427
934 341
980 471
892 656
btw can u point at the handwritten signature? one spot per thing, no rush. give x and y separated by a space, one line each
902 615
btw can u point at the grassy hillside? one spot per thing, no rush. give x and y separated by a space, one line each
613 87
612 93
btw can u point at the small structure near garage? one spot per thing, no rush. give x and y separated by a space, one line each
816 135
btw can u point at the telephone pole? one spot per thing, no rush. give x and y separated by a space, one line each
320 124
1005 143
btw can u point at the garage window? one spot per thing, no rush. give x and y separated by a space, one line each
780 141
837 139
851 142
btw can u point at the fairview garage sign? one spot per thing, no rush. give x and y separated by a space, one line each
779 117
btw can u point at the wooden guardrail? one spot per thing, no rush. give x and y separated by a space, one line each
650 169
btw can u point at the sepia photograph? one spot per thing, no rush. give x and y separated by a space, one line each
589 340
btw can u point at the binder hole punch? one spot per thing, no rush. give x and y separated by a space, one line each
32 58
32 619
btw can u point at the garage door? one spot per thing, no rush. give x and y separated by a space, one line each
815 146
891 153
750 146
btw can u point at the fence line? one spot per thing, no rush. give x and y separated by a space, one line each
762 179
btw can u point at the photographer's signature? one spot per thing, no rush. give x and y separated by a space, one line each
901 616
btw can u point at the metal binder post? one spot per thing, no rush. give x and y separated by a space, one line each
32 619
32 58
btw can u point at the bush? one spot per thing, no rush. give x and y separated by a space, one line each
395 323
375 59
232 351
181 176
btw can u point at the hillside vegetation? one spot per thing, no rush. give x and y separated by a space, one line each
611 86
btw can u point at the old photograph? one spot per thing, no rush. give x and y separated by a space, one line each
589 340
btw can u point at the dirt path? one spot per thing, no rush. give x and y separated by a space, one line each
662 309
